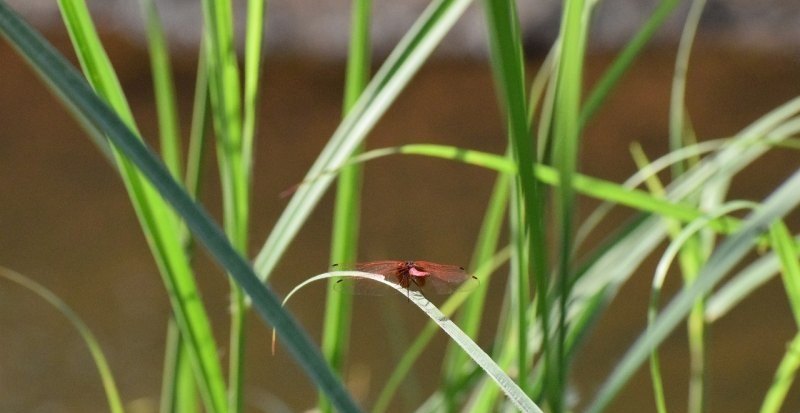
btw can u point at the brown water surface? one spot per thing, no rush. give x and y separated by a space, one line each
66 222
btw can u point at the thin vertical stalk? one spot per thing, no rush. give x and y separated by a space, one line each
347 210
234 170
566 138
691 256
625 59
508 69
470 316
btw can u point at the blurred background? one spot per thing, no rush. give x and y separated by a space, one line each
66 222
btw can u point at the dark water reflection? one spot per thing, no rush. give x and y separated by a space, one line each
67 223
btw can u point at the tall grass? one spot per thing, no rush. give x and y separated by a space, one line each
553 296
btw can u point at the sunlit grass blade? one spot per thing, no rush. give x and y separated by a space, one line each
99 119
164 87
347 209
583 184
787 251
394 74
623 62
784 377
158 222
508 70
566 139
178 391
471 316
253 58
234 169
99 358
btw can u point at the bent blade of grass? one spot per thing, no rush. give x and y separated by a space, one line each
514 393
609 271
320 277
381 92
677 109
107 378
100 119
674 248
732 250
402 368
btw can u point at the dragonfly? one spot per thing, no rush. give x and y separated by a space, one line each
412 275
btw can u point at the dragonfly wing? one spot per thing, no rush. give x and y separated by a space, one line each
366 286
444 279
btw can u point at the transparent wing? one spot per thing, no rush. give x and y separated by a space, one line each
444 279
365 286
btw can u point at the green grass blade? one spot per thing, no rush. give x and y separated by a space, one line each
395 73
347 209
92 56
472 313
625 59
677 107
583 184
164 87
159 224
226 111
178 391
107 378
509 75
784 377
566 139
676 247
253 58
93 113
787 252
198 129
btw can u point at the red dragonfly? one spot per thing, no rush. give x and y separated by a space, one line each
412 275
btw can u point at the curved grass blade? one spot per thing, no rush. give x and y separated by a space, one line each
101 120
110 387
512 391
402 368
673 249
